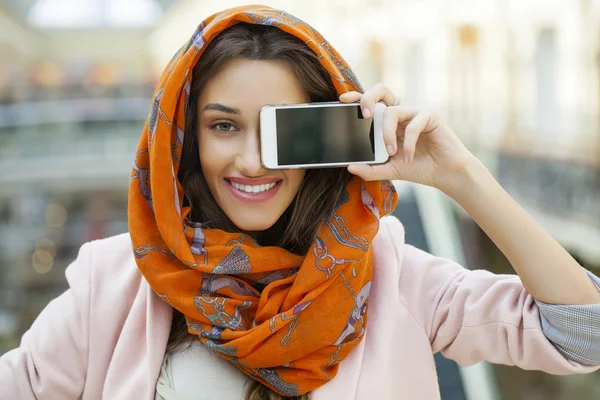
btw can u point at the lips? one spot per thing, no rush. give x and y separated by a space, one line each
253 191
253 188
253 181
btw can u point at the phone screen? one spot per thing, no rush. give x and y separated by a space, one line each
328 134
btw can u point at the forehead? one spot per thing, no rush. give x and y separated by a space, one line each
249 84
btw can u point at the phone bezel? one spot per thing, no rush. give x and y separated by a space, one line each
268 136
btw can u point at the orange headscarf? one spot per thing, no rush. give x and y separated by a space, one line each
283 319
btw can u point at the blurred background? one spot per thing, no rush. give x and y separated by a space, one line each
519 81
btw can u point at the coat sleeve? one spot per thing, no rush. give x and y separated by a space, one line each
471 316
574 329
52 359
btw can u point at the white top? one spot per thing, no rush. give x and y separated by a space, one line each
179 378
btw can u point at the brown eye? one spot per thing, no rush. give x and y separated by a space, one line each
223 127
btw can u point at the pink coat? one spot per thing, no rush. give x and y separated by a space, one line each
105 337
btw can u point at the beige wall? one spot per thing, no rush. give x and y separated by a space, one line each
21 47
17 42
127 48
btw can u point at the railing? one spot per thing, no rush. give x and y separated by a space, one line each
557 188
73 111
42 141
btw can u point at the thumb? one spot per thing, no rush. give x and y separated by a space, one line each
369 172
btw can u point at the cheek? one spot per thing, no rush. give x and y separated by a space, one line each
295 178
212 158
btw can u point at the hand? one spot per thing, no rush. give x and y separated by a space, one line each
422 147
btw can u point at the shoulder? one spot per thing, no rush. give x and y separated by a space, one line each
389 241
111 255
113 246
105 266
388 252
391 225
392 252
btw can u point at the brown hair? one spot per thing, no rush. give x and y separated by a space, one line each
320 189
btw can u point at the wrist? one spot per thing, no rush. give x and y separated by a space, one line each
468 182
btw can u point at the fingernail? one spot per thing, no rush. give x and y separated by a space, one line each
406 159
390 149
367 112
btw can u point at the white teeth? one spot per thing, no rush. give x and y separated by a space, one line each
253 188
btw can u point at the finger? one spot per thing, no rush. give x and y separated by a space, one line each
392 117
390 130
404 114
379 92
371 172
411 135
350 97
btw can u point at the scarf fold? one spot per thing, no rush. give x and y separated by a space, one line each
283 319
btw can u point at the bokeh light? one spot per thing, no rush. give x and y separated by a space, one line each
56 215
46 245
42 261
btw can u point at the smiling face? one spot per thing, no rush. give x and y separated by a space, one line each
252 197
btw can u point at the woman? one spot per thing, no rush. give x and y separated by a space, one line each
278 289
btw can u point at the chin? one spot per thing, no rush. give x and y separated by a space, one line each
257 223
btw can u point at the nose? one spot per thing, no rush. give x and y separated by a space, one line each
248 159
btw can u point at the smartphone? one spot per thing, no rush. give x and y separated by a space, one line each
320 135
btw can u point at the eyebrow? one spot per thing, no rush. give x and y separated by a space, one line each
223 108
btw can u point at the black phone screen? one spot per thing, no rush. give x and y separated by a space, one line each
329 134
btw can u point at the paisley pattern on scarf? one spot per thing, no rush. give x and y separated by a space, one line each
283 319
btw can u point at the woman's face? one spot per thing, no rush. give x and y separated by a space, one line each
228 131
